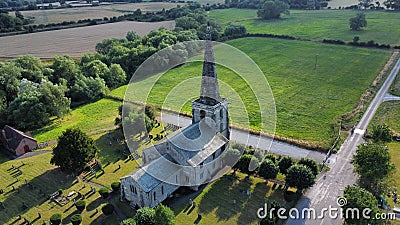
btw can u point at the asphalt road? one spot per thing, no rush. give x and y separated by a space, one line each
326 191
261 142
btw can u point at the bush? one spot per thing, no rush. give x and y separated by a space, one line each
145 216
104 192
107 209
115 186
80 205
55 219
76 219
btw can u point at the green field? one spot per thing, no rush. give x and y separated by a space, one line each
393 181
95 117
307 100
395 88
388 113
319 24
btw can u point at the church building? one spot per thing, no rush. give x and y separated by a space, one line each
190 156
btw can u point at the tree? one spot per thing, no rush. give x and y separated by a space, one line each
32 68
381 132
145 216
234 29
247 162
372 163
392 4
285 163
95 69
80 205
28 102
104 192
76 219
358 22
115 186
73 151
10 76
107 209
55 219
271 157
53 98
129 221
89 89
359 198
64 67
231 157
164 215
310 163
268 169
115 76
273 9
132 35
365 3
300 177
150 112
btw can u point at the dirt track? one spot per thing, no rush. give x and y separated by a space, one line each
74 41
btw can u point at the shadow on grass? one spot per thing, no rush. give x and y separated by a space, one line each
36 192
113 152
95 204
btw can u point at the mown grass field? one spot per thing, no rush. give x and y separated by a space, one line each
393 181
388 113
319 24
215 202
98 12
307 100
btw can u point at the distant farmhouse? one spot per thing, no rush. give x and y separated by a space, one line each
16 141
190 156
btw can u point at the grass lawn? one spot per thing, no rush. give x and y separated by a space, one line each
307 100
388 113
94 117
319 24
393 181
215 203
395 88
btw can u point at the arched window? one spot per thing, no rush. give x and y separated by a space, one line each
202 114
154 195
221 113
162 190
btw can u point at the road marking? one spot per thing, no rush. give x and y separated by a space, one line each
359 131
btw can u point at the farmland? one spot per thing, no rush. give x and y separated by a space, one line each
319 24
307 100
73 42
80 13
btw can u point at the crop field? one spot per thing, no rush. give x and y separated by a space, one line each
335 4
98 12
319 24
307 100
74 41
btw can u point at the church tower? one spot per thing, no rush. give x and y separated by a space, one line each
210 104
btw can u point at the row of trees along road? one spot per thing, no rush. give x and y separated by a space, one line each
372 163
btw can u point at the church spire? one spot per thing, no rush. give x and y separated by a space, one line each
209 93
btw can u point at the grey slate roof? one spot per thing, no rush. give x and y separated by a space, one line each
162 168
193 139
13 136
216 143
